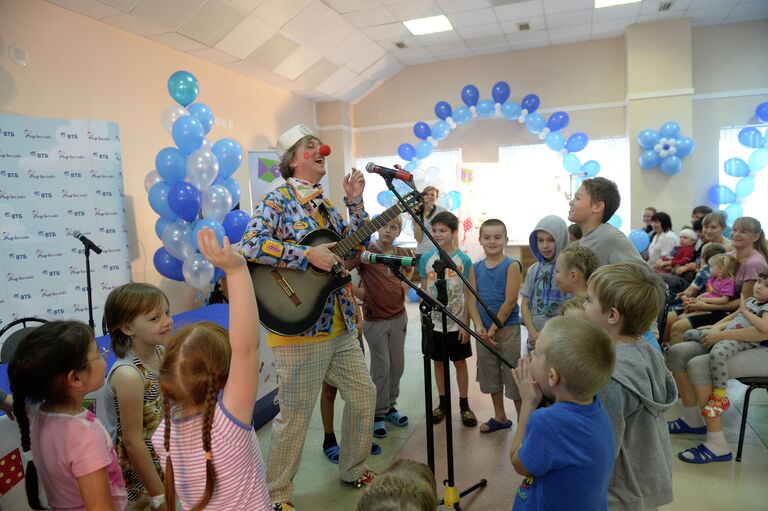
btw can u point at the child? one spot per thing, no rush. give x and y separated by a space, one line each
541 296
574 307
444 227
497 280
208 376
593 204
682 254
721 286
139 323
749 315
574 266
702 276
405 486
574 233
564 450
385 325
624 298
56 366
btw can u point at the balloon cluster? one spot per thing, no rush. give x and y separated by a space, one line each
192 187
548 130
750 138
664 148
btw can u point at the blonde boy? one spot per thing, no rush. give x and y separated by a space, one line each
624 298
574 266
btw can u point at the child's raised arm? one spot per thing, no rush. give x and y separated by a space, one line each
242 386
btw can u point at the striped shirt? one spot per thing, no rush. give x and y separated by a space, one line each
237 462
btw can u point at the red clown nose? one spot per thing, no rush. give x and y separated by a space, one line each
324 150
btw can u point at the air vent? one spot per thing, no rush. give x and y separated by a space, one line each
401 45
665 6
523 26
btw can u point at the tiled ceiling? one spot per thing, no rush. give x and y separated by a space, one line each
342 49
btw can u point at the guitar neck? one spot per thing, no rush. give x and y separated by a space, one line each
357 236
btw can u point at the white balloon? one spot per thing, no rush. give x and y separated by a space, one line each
177 240
197 271
170 114
151 180
202 169
216 202
207 145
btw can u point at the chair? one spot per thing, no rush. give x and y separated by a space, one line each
13 340
754 382
661 319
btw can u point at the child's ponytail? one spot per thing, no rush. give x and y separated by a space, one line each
210 474
170 490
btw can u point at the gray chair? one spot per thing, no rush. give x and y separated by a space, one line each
15 337
755 382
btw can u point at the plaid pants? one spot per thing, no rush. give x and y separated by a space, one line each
301 370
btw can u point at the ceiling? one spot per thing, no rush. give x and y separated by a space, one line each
330 50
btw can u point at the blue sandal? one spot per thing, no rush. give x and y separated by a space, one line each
494 425
396 418
380 429
702 455
680 427
375 449
332 453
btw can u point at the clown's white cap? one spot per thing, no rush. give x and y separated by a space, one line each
290 137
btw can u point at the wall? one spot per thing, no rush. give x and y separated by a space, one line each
82 68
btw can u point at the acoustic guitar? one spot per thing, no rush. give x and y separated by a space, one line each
291 301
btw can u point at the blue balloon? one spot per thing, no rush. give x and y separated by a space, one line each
171 164
684 146
736 167
203 114
213 225
744 187
406 152
758 160
591 169
470 95
381 198
234 189
751 137
421 130
671 165
423 149
158 200
188 134
555 141
534 122
441 130
183 87
167 265
733 212
160 225
762 111
410 167
557 121
235 224
639 239
531 103
572 163
229 154
500 92
412 295
615 221
511 110
648 139
576 142
649 159
486 108
719 194
454 200
443 110
184 201
669 129
461 115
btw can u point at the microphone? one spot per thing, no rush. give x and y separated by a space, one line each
392 260
88 243
389 173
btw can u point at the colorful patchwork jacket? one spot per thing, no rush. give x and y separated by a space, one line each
279 221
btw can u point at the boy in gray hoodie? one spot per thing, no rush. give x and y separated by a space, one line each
541 295
623 298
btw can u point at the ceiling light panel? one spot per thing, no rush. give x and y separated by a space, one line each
430 25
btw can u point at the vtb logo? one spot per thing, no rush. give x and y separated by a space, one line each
9 174
7 133
17 257
73 174
44 195
13 216
39 154
22 296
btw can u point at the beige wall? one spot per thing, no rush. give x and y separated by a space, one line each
82 68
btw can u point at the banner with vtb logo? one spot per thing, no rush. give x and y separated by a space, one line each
56 176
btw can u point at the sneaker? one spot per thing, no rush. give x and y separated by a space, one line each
715 406
364 480
468 418
283 506
438 414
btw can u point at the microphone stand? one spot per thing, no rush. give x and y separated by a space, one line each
451 497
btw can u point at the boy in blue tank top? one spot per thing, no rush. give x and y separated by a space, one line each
497 280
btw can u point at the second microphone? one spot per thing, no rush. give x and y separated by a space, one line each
391 260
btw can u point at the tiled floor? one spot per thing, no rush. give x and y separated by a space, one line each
721 486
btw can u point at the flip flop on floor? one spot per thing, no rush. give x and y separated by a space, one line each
702 455
397 418
332 453
493 425
375 449
380 429
680 427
